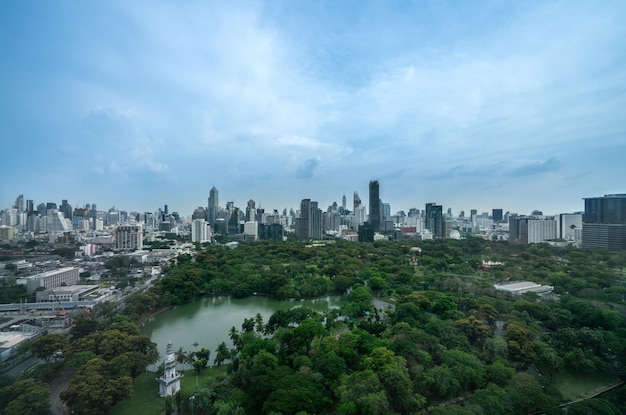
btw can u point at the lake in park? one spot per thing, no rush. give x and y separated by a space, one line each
207 321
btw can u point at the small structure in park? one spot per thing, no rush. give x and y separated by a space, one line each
169 382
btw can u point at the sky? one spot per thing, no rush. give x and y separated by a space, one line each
519 105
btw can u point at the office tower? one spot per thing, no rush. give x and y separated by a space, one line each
496 215
356 201
165 211
19 204
473 212
251 211
51 205
343 202
309 224
386 209
129 237
375 213
604 222
233 222
274 231
66 209
213 207
434 219
532 229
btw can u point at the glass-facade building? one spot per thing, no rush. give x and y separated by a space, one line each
604 222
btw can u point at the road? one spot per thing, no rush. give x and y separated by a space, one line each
57 386
21 367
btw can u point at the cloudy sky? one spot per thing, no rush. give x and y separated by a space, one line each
518 105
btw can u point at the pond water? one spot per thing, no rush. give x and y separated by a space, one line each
207 321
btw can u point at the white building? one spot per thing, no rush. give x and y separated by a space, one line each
57 223
252 229
200 231
540 230
53 279
524 287
570 226
169 382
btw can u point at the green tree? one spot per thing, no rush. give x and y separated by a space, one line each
491 400
221 354
44 347
362 393
96 388
25 397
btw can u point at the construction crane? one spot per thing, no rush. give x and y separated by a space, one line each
61 313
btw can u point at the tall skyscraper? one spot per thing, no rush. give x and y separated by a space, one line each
251 211
66 209
604 222
213 207
19 204
343 202
356 201
434 219
309 224
374 218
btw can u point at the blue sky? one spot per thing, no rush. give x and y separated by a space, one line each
517 105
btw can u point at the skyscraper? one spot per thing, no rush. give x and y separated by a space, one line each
356 201
604 222
251 211
19 204
213 207
309 224
374 218
496 215
434 219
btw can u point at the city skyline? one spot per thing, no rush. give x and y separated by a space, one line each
512 105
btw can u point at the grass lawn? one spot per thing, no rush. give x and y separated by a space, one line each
572 387
146 399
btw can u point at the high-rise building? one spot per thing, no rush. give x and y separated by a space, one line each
129 237
200 231
496 215
19 204
214 206
66 209
233 222
251 211
571 226
356 201
434 219
343 202
532 229
274 231
604 222
198 213
375 212
309 224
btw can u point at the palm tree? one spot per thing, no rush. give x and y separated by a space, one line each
181 356
221 353
259 322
